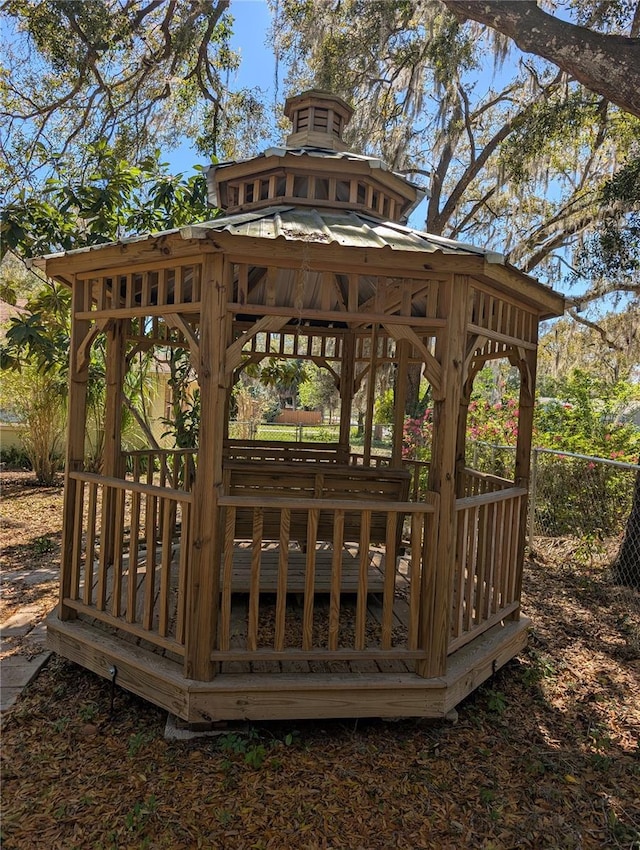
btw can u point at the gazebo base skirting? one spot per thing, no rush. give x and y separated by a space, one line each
303 689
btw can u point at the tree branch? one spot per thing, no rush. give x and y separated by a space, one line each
581 320
608 64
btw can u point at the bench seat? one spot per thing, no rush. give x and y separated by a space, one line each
331 482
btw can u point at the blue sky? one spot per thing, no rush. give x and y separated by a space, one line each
252 20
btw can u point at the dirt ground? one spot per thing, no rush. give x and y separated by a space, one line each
545 755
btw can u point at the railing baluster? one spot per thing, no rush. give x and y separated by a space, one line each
513 561
283 564
90 543
132 579
185 517
310 578
150 572
336 579
483 521
415 577
363 580
254 585
116 584
78 526
103 565
389 579
472 562
227 576
165 567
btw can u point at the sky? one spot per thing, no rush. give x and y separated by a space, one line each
252 20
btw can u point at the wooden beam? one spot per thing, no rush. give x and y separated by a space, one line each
154 251
432 368
442 471
473 344
498 337
396 296
347 391
272 323
548 302
206 531
399 401
161 310
77 412
175 320
371 392
83 355
354 319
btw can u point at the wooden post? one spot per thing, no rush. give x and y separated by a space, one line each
450 352
206 531
77 416
371 394
527 365
399 402
347 376
461 439
112 456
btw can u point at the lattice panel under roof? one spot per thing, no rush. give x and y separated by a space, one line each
302 289
155 288
293 342
501 317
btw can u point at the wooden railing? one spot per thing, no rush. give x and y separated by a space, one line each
342 592
174 468
275 451
357 602
329 593
488 560
129 557
475 483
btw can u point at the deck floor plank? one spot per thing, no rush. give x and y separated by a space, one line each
270 558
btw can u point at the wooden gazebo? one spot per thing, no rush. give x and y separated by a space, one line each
254 579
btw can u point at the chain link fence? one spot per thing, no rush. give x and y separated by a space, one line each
587 509
283 432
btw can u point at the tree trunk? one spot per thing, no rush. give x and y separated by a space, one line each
626 569
607 64
412 398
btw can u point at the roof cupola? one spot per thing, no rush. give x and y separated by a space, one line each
318 119
314 169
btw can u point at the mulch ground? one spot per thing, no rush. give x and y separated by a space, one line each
545 755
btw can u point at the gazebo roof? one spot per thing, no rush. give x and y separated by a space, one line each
310 194
318 227
306 224
348 229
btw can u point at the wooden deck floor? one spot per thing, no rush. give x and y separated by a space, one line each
241 574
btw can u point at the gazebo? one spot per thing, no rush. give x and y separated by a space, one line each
255 579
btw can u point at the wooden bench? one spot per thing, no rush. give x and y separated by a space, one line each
331 482
280 452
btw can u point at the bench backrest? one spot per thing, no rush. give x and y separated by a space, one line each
277 451
332 483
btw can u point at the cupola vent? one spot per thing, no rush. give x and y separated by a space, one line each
318 120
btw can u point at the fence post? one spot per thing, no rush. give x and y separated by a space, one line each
533 483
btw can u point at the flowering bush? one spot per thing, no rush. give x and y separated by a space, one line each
493 423
417 435
585 421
